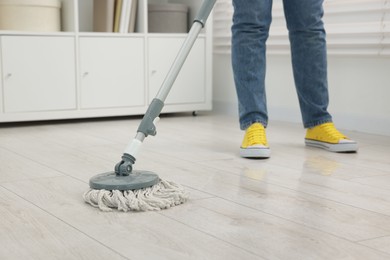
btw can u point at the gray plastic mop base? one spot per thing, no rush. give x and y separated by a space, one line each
134 181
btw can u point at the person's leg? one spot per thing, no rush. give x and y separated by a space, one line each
309 58
251 22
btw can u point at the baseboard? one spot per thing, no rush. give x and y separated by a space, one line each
358 123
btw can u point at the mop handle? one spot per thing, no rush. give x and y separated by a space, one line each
147 126
198 24
148 123
204 11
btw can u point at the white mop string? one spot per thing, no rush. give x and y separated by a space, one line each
163 195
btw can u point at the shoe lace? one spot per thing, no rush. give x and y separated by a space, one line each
256 135
332 132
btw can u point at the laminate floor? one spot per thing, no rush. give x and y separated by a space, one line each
302 203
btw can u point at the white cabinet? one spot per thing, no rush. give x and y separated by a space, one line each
78 73
38 73
190 84
112 72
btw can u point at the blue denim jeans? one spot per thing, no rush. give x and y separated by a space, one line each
251 23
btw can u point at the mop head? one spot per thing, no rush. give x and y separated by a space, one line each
163 195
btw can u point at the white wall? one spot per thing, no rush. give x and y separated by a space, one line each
359 91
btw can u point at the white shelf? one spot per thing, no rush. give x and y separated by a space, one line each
78 73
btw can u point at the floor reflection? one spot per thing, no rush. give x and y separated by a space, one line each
321 165
255 174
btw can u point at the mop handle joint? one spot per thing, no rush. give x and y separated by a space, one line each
204 12
147 126
125 166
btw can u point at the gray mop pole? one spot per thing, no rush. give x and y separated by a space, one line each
148 123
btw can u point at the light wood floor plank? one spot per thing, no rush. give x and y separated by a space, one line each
255 189
382 181
30 233
302 203
147 235
14 167
381 244
266 235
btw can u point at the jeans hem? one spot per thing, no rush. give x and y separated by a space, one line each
245 125
318 122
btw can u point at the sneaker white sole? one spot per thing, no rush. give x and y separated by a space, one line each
256 151
344 147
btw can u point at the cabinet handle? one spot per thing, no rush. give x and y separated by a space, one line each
8 75
153 72
85 74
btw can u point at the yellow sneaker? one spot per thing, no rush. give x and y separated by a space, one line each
326 136
255 143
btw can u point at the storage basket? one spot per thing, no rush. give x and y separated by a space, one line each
167 18
30 15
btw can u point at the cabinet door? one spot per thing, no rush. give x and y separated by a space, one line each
38 73
190 85
1 79
112 72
